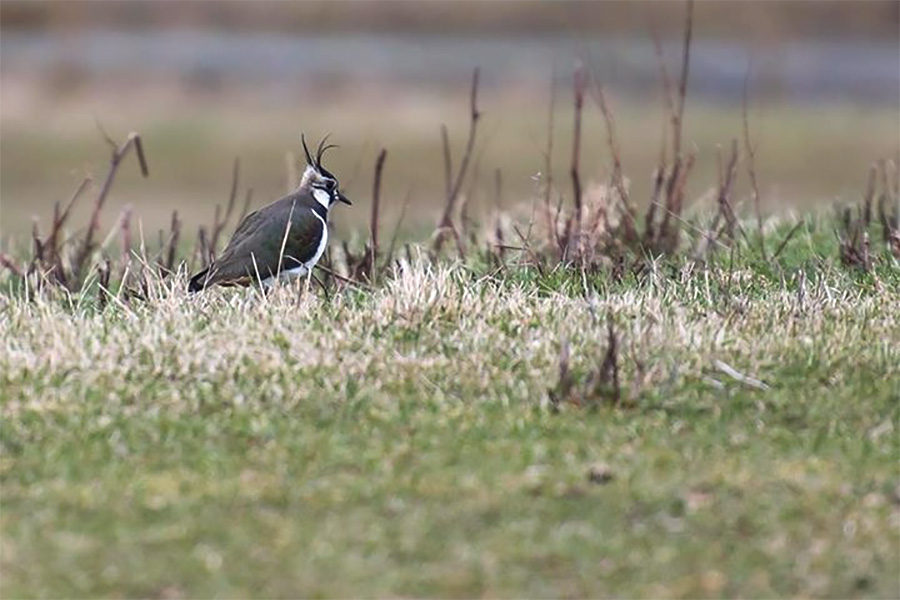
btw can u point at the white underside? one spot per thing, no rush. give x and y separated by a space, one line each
291 274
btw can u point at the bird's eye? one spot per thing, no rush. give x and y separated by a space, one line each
330 184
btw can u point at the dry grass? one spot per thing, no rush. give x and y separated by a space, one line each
404 441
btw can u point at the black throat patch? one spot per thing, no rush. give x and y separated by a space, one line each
320 210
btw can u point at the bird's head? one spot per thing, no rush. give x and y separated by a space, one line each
321 184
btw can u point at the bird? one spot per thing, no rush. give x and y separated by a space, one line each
282 240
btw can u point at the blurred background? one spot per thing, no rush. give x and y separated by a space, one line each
205 82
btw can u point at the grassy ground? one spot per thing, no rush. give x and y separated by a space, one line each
400 442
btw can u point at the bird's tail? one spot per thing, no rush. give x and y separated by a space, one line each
198 282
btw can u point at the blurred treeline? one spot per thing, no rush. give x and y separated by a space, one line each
727 18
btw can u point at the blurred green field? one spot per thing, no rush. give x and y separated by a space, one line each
813 154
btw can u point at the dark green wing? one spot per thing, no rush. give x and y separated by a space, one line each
255 249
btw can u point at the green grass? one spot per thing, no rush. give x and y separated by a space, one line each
400 442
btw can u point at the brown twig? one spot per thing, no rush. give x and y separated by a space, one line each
446 222
678 116
118 153
448 163
38 247
659 180
668 92
724 210
617 176
59 220
725 191
396 233
466 222
609 370
551 224
579 85
376 207
219 226
340 277
870 194
103 274
890 223
206 254
526 246
751 171
669 232
562 392
7 262
126 238
245 209
787 239
175 234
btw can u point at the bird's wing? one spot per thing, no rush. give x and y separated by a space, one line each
255 249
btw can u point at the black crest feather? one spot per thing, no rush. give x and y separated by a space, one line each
309 159
320 151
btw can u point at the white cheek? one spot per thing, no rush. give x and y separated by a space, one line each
322 197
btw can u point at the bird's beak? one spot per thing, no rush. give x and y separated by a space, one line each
344 199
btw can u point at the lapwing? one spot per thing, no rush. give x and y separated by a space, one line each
282 240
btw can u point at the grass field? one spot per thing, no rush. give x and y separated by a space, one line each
402 441
637 397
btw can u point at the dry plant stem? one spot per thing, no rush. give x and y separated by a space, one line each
376 207
787 239
870 194
725 208
446 222
751 171
668 92
551 224
720 166
651 235
396 233
340 277
662 231
883 198
203 248
219 226
526 246
126 239
854 244
659 180
895 168
563 389
890 223
574 235
38 258
610 369
119 153
8 263
617 176
678 116
103 272
668 233
59 220
173 242
248 200
448 163
466 222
